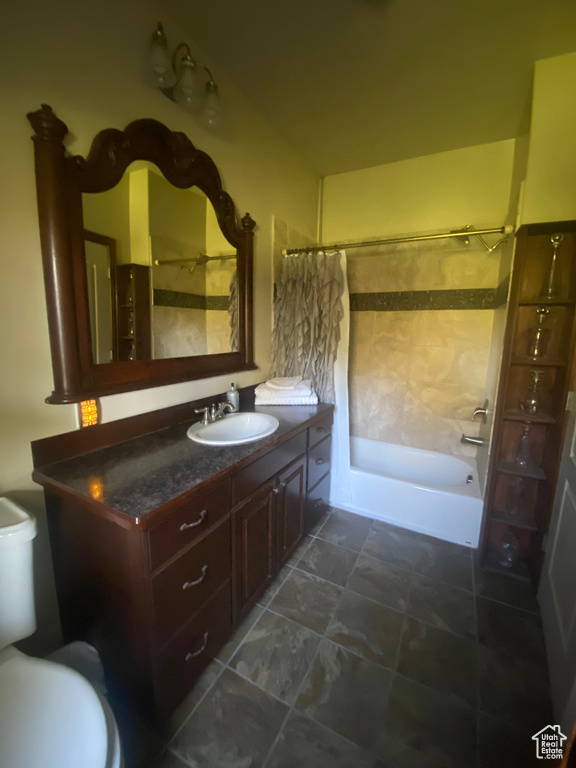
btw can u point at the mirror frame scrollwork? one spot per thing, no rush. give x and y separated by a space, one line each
61 180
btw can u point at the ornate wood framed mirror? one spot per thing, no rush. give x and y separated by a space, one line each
147 270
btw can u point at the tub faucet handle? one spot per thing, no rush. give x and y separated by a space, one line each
470 440
482 411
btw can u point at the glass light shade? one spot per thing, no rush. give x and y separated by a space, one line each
211 115
188 91
159 60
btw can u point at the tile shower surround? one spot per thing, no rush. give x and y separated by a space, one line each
375 648
420 336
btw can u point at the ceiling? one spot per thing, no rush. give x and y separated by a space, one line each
356 83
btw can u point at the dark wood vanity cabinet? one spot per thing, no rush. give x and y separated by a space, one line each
159 595
254 545
270 498
267 529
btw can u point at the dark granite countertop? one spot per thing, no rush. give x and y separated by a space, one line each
143 474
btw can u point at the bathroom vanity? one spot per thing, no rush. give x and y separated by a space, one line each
161 546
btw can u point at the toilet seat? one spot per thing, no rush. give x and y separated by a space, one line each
51 717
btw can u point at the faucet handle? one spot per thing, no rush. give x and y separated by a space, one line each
204 412
482 410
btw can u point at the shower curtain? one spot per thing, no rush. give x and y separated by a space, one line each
233 312
308 311
311 338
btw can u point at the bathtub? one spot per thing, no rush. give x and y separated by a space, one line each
424 491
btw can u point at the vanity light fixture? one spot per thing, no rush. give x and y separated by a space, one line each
183 79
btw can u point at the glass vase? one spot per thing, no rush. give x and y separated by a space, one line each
530 403
516 503
552 282
522 457
508 552
538 335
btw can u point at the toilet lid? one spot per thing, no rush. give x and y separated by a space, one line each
50 716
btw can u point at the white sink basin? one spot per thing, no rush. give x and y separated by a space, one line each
234 429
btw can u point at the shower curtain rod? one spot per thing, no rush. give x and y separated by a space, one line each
204 258
461 233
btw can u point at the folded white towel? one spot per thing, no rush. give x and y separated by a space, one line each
266 392
291 382
281 400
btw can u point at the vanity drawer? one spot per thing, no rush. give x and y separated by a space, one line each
319 461
247 480
180 589
317 502
187 524
183 660
319 431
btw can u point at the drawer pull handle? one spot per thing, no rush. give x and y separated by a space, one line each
199 580
280 487
320 430
318 503
319 462
200 650
185 526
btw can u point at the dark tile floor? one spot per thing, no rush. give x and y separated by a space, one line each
375 648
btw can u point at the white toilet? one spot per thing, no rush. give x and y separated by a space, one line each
50 715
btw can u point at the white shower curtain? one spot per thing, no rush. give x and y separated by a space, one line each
340 474
311 338
308 311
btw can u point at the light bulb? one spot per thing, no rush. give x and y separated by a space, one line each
211 116
159 60
188 91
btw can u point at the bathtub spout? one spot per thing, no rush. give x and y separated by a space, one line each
472 440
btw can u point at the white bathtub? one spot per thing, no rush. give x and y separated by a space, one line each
421 490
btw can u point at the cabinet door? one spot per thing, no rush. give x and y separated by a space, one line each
291 495
254 550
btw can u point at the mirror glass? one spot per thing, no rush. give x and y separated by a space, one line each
161 275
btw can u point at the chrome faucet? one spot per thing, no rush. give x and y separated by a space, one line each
215 411
482 410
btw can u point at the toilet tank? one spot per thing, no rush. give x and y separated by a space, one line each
17 614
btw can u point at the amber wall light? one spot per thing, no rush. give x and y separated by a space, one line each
89 412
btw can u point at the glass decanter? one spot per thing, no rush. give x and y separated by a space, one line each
522 457
552 282
508 551
530 403
538 335
129 297
516 503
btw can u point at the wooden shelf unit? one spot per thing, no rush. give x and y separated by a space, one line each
133 338
532 260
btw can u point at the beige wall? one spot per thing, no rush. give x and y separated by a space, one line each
86 61
425 194
550 187
108 214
